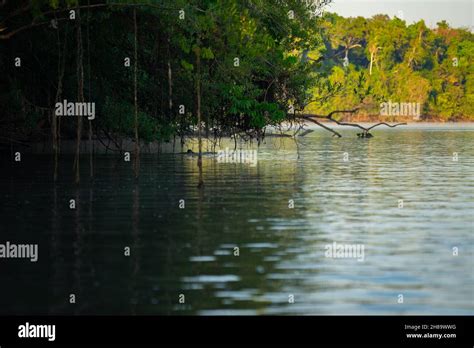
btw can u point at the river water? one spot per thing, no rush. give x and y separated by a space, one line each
237 246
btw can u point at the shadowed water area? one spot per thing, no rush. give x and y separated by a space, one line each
190 251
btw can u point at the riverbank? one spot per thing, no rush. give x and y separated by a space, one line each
408 119
273 134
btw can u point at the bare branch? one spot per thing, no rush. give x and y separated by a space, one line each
34 23
386 124
309 118
31 25
312 117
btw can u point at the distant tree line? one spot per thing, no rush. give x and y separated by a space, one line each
368 62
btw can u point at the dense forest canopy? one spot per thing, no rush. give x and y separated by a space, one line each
235 65
245 55
377 60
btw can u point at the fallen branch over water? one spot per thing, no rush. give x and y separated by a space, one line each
313 118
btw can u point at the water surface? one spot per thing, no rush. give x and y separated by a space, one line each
190 251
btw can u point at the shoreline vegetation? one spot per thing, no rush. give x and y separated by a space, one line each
148 72
407 119
285 130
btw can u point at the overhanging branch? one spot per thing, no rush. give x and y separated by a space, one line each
313 117
34 23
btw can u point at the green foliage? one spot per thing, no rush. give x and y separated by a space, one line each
282 62
269 76
410 64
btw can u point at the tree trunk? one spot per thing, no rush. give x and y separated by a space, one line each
137 140
371 62
170 84
54 126
413 52
91 150
54 121
80 92
198 112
